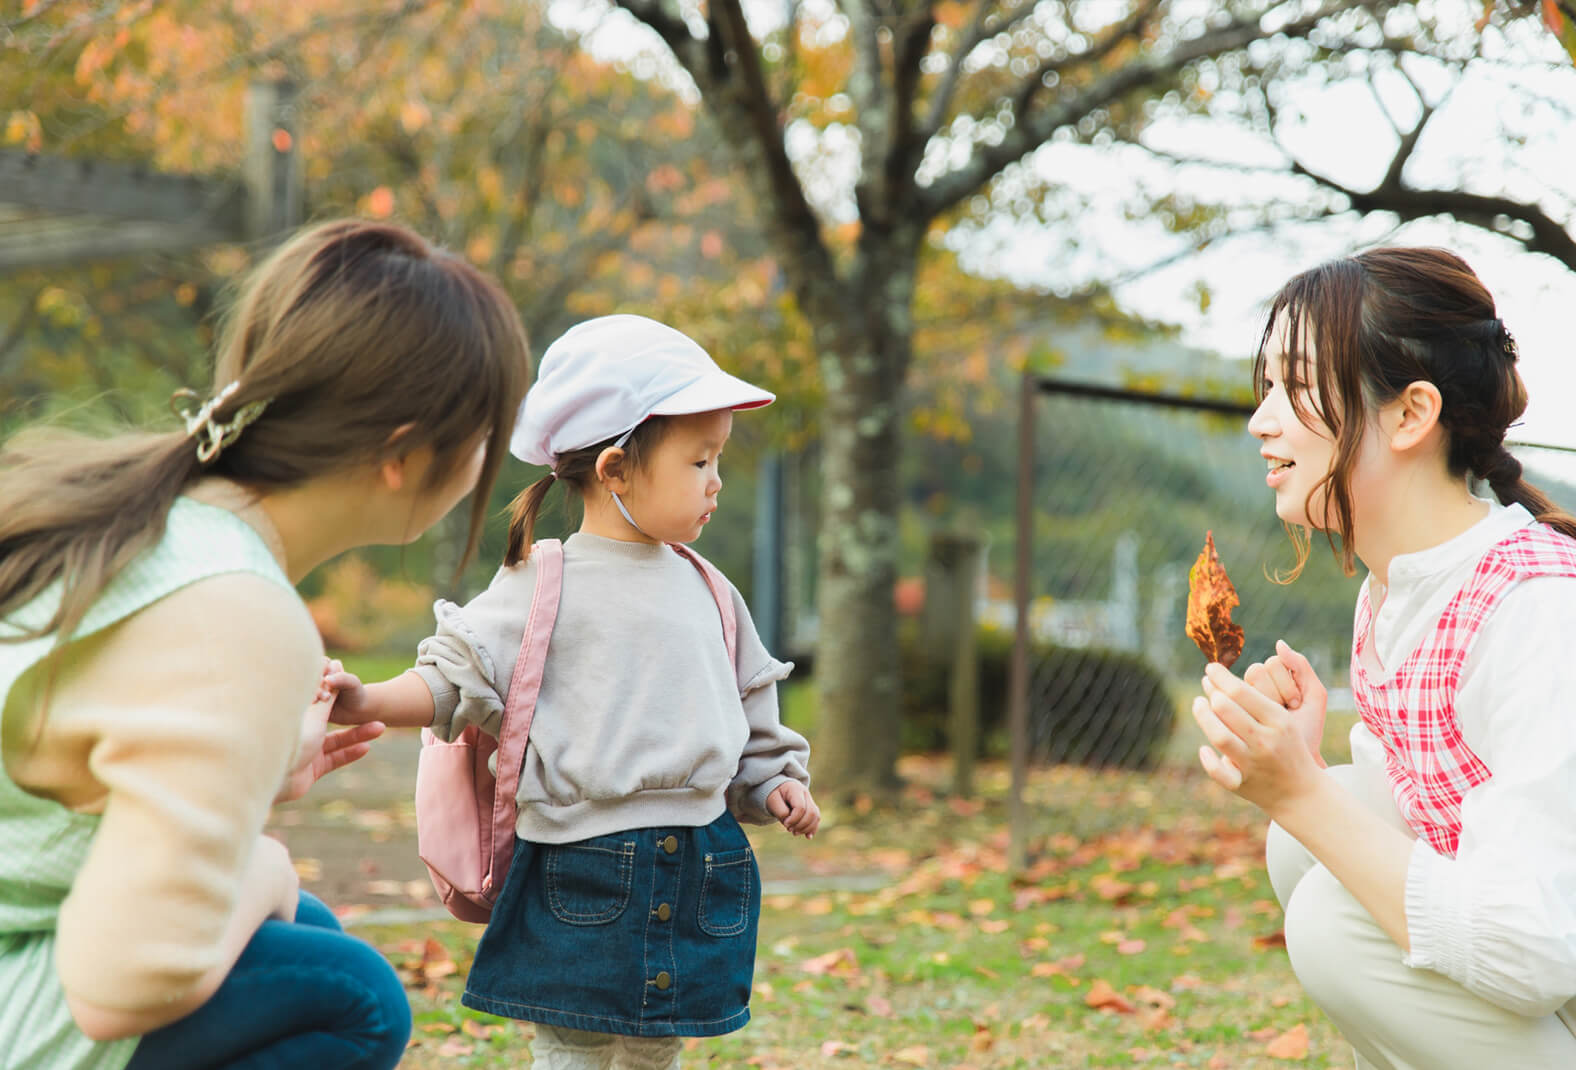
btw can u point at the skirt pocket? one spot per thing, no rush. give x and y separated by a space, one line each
588 882
727 893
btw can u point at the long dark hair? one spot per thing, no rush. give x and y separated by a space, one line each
1384 319
365 340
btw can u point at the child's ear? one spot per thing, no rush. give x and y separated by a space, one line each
1414 414
610 470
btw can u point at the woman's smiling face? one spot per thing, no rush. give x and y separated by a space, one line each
1299 454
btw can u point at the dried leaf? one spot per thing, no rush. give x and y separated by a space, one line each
1210 597
1292 1044
1102 996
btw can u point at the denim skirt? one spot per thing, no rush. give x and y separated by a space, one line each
648 933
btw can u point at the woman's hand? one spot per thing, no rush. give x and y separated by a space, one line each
1288 679
320 751
1257 747
791 804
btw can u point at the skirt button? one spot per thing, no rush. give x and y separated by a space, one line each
670 844
663 980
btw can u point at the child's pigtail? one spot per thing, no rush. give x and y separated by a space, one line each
522 519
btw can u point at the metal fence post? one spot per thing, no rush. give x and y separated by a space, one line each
1018 684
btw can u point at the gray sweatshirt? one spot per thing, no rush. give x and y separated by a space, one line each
641 721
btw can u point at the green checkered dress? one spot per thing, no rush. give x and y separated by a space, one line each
43 844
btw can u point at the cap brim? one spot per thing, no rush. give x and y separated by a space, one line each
718 390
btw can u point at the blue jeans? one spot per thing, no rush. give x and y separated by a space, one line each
302 994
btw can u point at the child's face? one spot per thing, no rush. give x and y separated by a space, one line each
674 493
1299 455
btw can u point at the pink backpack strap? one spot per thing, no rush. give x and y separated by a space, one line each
721 592
520 703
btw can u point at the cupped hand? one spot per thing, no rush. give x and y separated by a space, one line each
1257 747
1288 678
790 803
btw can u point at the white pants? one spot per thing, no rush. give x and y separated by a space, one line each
1396 1017
556 1048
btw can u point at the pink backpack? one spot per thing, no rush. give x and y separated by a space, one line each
465 817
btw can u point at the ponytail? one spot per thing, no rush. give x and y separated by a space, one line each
1503 475
77 510
523 511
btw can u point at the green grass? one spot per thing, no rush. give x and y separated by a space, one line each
374 667
902 941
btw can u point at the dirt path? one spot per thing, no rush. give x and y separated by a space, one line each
354 841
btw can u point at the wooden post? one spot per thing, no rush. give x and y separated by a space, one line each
1018 683
273 161
964 553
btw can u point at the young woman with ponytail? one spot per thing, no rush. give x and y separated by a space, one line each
1430 886
155 662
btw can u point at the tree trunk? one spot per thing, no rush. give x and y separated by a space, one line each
856 663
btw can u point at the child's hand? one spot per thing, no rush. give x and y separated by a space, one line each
320 751
350 702
791 804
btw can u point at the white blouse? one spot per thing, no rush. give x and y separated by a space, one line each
1500 917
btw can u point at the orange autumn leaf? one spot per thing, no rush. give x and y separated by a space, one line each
1102 997
1292 1044
1210 597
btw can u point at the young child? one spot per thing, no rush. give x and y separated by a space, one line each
628 916
1430 886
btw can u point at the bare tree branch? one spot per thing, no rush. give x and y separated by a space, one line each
1033 130
1549 235
726 69
980 30
1123 31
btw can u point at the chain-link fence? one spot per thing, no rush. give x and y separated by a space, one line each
1125 486
1118 495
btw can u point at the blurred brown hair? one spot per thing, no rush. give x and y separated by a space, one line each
366 341
1381 320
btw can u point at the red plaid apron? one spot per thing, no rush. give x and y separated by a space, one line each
1413 712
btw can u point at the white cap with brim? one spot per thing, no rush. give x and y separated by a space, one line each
604 377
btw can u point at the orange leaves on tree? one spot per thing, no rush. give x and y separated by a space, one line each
379 204
1210 598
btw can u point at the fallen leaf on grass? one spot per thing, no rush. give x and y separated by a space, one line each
435 961
1292 1044
1154 997
1103 997
838 963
